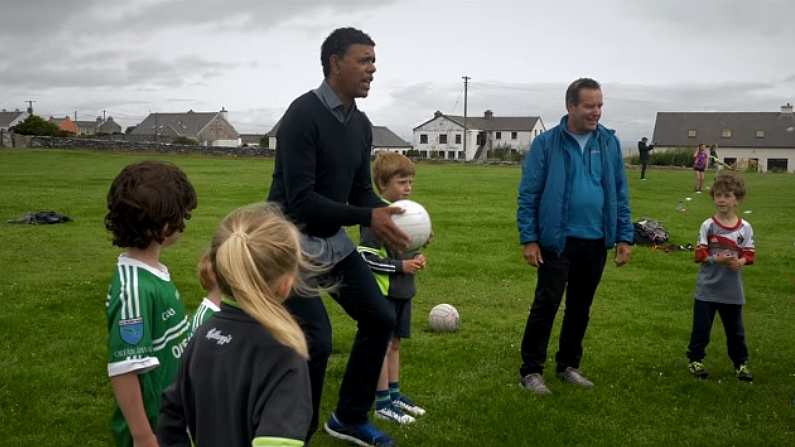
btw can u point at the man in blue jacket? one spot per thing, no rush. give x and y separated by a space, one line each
573 206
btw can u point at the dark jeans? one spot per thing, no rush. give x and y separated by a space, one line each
643 165
359 296
732 317
580 266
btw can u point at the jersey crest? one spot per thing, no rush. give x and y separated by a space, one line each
132 330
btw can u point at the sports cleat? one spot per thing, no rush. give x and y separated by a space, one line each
535 382
744 374
394 414
407 405
360 434
574 377
697 369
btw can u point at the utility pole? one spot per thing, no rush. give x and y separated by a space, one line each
466 84
30 106
103 116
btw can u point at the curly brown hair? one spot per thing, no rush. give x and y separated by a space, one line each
148 201
728 182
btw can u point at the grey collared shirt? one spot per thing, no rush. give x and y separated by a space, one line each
332 102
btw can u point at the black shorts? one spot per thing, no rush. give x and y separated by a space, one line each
699 169
402 317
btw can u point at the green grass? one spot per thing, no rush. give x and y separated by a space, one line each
54 388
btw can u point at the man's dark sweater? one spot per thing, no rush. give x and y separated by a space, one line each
322 173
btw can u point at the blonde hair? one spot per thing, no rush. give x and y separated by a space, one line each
204 270
254 249
388 165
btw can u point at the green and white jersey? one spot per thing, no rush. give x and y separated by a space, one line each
147 333
203 313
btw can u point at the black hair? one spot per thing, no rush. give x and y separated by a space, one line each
338 42
573 92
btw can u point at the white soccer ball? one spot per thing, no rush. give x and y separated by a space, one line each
444 318
414 221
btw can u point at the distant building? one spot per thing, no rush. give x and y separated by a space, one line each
11 119
272 135
65 124
384 140
98 126
208 128
443 135
765 140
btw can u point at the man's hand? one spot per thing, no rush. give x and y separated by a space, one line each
148 440
532 254
623 251
386 230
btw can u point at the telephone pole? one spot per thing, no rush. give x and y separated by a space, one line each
466 85
30 106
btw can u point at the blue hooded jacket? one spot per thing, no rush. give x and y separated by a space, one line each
546 184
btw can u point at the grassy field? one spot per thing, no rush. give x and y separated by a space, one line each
54 388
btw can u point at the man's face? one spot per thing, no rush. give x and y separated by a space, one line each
353 72
584 116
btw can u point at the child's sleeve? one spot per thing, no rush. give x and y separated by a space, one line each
172 428
129 325
284 410
702 245
375 254
748 251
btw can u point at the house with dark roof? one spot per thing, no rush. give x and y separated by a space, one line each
98 126
384 140
443 135
208 128
11 119
745 139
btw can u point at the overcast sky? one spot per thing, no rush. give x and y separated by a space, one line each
255 56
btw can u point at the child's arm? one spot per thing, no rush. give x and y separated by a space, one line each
127 390
171 425
373 252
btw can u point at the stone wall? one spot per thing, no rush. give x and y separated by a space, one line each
137 146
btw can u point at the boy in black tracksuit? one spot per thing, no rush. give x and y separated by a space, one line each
394 272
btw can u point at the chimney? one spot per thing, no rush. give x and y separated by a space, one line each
437 114
786 109
488 114
224 113
99 119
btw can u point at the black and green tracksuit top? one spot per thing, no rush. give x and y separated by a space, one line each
386 266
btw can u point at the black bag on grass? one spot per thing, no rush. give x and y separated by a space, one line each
42 217
650 232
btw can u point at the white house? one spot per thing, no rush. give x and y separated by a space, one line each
746 139
443 135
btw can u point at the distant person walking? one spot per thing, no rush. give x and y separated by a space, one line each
643 150
699 165
573 206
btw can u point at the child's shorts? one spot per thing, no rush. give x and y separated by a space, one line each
402 316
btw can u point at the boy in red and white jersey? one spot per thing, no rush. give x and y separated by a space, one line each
725 245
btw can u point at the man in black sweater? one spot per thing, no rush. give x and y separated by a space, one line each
322 180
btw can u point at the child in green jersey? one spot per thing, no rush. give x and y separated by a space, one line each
148 204
212 302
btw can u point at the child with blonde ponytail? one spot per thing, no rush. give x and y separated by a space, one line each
243 379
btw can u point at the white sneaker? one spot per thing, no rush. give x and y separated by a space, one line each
393 414
408 406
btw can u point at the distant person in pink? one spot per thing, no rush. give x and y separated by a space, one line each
699 165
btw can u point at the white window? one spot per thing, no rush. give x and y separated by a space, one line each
726 133
498 135
443 138
760 133
514 135
423 138
458 138
691 133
